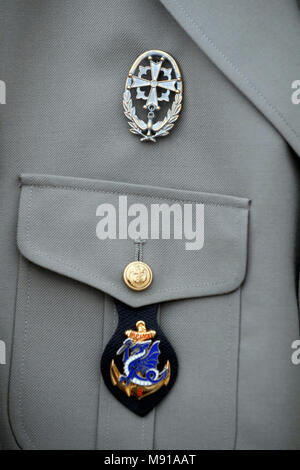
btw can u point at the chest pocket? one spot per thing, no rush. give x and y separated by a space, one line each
69 272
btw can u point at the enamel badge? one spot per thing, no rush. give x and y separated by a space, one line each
140 376
139 365
152 99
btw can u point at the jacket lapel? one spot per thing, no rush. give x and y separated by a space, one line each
256 44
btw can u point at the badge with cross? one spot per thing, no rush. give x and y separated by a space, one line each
153 83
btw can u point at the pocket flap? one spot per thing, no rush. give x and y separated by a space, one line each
58 229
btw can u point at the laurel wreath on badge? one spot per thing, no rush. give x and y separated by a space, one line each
161 128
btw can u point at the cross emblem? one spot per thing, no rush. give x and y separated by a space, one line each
154 83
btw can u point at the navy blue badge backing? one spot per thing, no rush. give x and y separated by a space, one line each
128 317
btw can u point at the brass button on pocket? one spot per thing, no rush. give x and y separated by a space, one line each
137 275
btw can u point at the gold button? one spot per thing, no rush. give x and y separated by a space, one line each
137 275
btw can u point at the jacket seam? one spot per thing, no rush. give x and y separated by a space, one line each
130 193
236 68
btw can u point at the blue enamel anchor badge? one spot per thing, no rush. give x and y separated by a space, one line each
140 369
140 358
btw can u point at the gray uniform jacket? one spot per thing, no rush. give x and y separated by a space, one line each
230 309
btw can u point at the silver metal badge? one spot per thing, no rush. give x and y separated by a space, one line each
154 78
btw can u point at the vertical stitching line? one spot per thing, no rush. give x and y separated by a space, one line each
100 377
108 428
136 251
11 364
229 336
154 410
238 373
22 366
229 330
